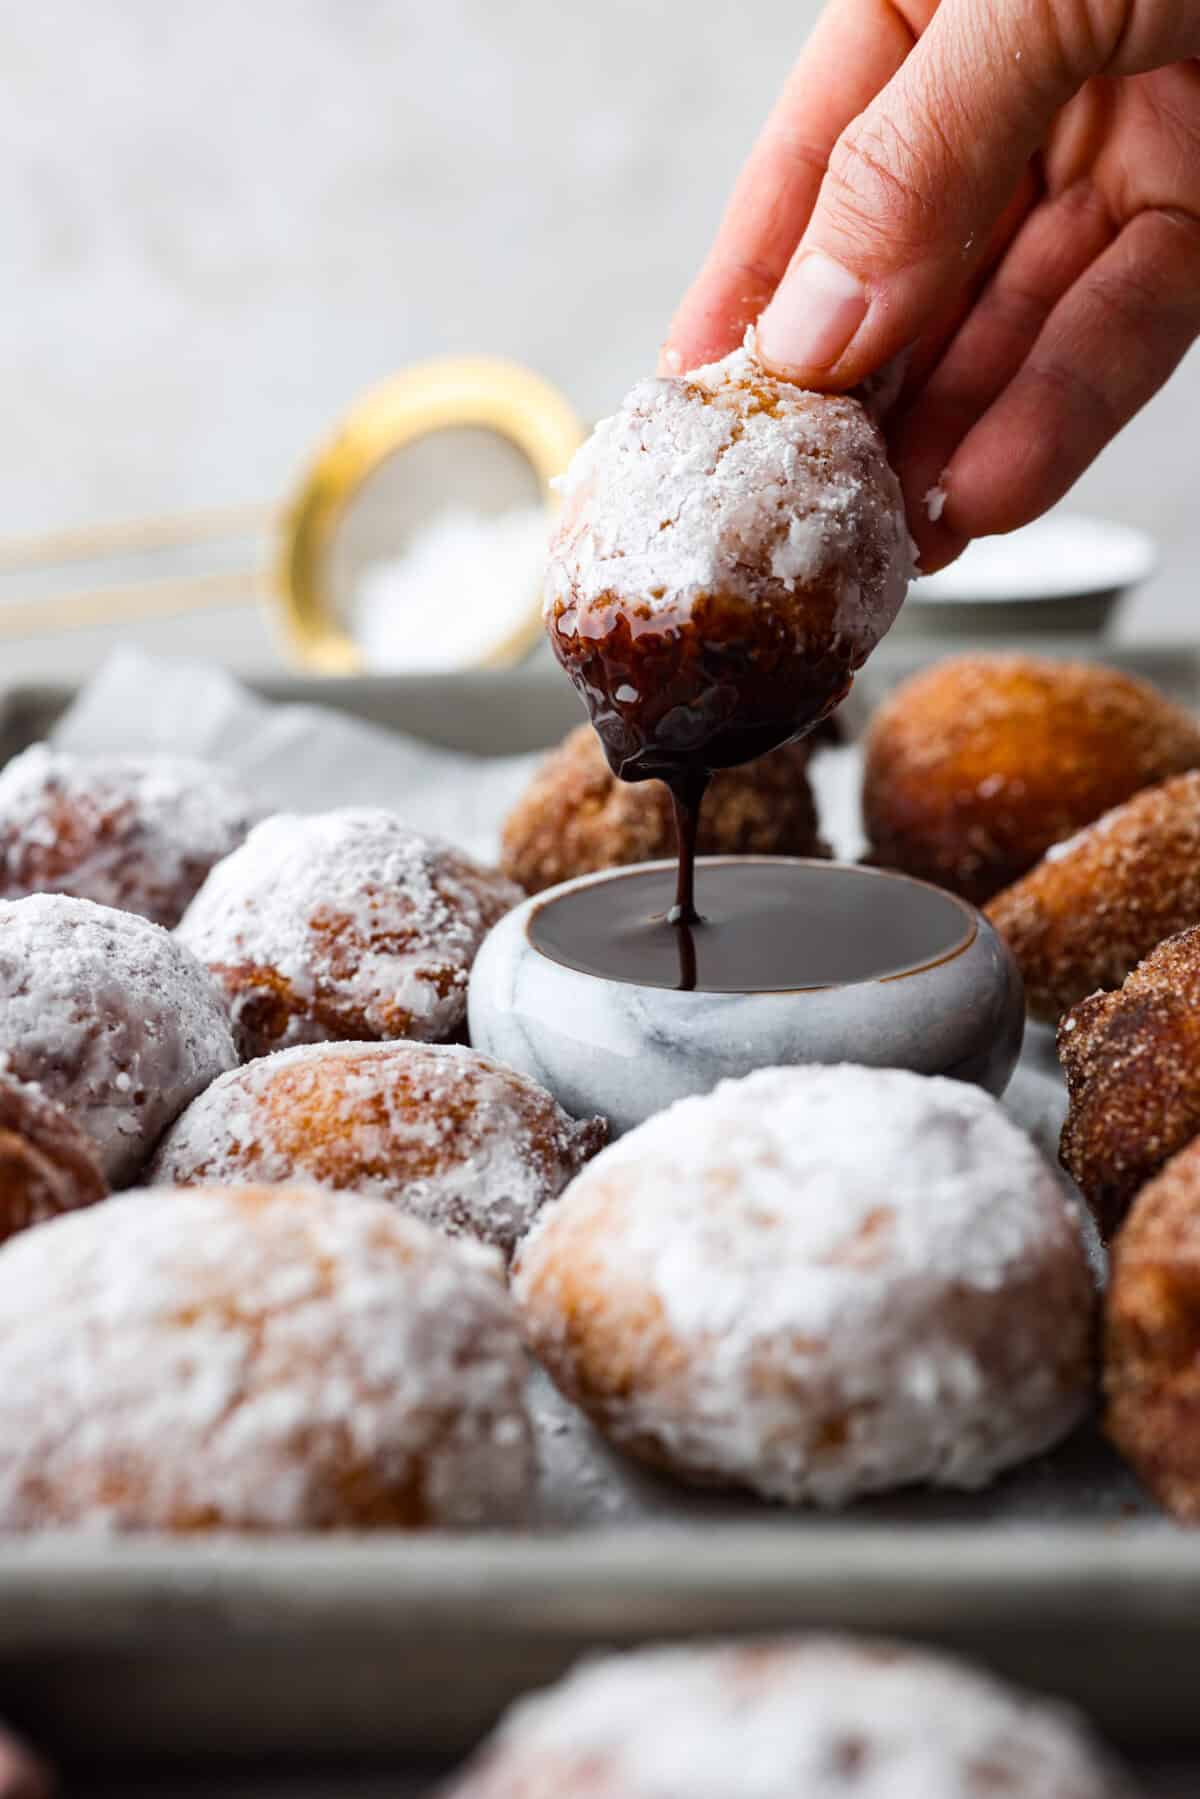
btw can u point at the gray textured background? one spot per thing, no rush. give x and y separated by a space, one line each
223 221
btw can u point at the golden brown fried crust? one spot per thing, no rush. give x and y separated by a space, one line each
601 1354
1152 1337
976 767
1132 1062
1091 909
47 1165
450 1137
576 817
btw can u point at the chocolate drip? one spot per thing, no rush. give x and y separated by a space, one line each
674 701
687 796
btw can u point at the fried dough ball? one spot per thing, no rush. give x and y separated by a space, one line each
346 927
731 550
256 1359
802 1718
444 1134
135 832
47 1165
1132 1063
111 1017
1095 905
975 767
1152 1336
576 817
817 1283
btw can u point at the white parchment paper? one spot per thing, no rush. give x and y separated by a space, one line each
293 758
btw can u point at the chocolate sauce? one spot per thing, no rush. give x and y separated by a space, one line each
687 797
766 925
675 699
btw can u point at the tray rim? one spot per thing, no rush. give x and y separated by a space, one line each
571 1583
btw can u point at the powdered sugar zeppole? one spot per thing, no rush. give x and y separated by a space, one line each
810 1718
444 1134
136 832
343 926
731 550
817 1283
256 1359
114 1018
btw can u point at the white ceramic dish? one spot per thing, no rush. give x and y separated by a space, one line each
1064 572
626 1050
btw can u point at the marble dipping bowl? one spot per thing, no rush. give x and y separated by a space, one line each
626 1050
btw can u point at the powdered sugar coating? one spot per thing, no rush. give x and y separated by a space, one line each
442 1133
111 1016
135 832
811 1718
259 1358
712 483
343 926
817 1283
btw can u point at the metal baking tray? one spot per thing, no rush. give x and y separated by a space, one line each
1062 1576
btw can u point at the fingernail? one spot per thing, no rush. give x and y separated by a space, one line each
816 311
670 362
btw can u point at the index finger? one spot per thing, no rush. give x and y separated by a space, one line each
854 51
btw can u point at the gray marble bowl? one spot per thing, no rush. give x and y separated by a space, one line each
626 1050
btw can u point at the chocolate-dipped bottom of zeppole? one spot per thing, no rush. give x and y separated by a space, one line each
731 550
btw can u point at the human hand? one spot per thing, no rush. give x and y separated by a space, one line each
1007 189
21 1777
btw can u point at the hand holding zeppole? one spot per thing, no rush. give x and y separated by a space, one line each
731 550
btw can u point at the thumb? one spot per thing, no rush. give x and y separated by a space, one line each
916 184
